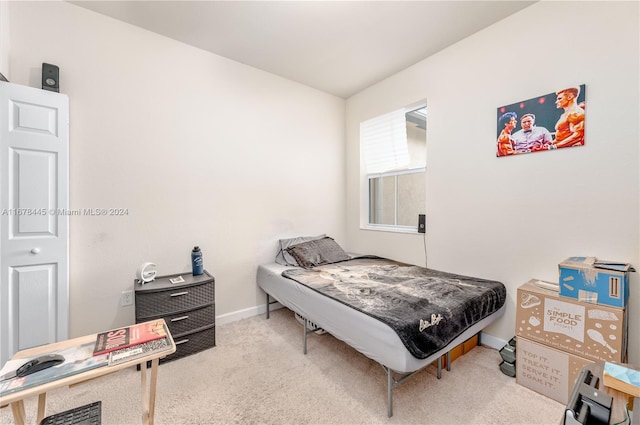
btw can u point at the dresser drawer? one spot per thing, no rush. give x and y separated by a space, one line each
173 301
188 321
192 343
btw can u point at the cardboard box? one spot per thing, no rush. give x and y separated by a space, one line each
584 279
591 331
469 344
459 350
546 370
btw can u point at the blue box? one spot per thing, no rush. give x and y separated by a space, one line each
590 280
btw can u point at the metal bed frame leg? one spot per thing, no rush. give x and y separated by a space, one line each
389 393
392 383
439 374
267 306
304 332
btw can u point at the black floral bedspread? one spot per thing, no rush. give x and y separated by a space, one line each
426 308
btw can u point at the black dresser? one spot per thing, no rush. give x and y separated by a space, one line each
188 308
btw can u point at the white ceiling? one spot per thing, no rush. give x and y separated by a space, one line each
339 47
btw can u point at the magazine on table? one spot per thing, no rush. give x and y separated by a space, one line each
76 360
139 333
140 350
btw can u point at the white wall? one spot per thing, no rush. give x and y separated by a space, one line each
4 39
516 218
200 149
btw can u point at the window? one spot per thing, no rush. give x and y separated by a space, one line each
393 150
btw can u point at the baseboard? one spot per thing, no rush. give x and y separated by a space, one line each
245 314
492 341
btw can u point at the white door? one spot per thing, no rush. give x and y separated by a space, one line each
34 248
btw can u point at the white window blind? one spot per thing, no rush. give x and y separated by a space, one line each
383 141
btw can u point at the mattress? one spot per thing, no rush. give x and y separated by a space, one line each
364 333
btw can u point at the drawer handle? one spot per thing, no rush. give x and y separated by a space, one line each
177 294
177 319
182 342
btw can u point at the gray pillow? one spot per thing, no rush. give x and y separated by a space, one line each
286 259
317 252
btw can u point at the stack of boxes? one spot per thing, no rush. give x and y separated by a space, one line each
562 327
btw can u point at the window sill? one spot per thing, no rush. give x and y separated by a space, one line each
392 229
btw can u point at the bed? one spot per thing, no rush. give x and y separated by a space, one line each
402 316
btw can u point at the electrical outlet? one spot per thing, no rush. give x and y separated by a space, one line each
422 223
127 298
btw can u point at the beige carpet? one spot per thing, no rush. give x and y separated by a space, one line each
257 374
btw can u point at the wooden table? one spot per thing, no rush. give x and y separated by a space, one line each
16 400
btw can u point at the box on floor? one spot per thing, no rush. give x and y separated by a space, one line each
546 370
591 331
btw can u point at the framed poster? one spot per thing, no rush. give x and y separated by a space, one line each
551 121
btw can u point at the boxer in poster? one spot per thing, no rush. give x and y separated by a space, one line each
552 121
